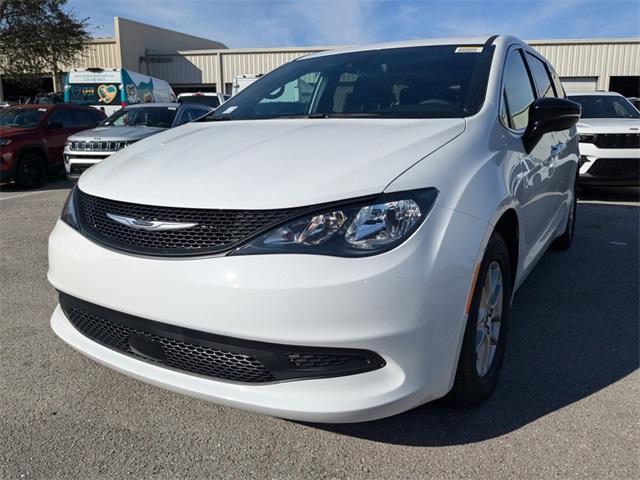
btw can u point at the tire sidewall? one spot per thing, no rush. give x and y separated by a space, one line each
37 160
469 384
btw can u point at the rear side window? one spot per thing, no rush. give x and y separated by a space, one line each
518 91
541 76
85 118
62 116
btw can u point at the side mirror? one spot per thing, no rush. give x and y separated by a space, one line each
54 125
549 114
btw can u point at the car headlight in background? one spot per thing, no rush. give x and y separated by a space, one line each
587 138
69 211
353 229
4 142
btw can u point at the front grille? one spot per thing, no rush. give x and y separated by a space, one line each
616 168
210 355
98 145
616 140
216 230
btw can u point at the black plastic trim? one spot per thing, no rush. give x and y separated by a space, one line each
275 357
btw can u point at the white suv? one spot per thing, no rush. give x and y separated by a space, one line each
340 242
609 139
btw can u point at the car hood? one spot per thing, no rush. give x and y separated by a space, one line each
116 133
266 164
609 125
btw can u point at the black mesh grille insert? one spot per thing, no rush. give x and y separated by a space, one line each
179 355
216 230
212 355
617 140
616 168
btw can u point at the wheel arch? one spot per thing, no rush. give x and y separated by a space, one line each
508 226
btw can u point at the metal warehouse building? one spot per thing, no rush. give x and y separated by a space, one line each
193 63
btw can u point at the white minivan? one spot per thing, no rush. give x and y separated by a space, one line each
338 254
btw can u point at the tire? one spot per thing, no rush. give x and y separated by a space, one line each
564 241
479 367
31 170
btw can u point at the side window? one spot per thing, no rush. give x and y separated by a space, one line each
190 114
518 91
541 76
85 118
559 88
62 116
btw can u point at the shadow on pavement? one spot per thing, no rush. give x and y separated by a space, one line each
574 331
58 183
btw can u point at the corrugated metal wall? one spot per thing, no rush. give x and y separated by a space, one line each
189 68
593 59
98 53
589 58
238 63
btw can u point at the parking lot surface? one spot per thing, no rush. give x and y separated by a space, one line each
567 405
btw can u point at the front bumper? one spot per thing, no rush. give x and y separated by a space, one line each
77 162
609 166
406 305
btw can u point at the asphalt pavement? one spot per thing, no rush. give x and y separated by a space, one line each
567 406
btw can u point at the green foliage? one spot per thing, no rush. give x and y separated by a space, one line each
38 36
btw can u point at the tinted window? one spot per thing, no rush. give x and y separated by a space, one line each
85 118
20 117
209 100
190 114
605 106
517 90
61 116
143 117
541 76
444 81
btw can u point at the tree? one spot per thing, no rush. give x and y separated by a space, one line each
37 37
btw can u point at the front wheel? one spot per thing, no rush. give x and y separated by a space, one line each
485 335
31 171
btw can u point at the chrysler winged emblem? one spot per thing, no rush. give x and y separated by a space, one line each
151 225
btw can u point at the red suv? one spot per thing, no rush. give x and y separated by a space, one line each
32 139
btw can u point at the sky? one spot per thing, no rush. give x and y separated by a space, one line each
276 23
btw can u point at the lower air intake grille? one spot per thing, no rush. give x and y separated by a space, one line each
616 168
214 230
211 355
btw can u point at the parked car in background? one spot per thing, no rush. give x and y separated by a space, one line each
126 126
110 89
209 99
243 81
342 257
635 101
32 139
47 98
609 139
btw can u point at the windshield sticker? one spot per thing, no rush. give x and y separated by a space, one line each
229 110
42 109
172 108
469 50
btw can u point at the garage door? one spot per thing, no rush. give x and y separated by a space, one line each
579 84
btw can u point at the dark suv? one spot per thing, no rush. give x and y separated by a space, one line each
32 139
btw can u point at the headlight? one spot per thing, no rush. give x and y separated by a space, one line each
4 142
69 211
349 230
587 138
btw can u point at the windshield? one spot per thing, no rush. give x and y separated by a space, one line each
21 118
605 106
414 82
209 100
161 117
